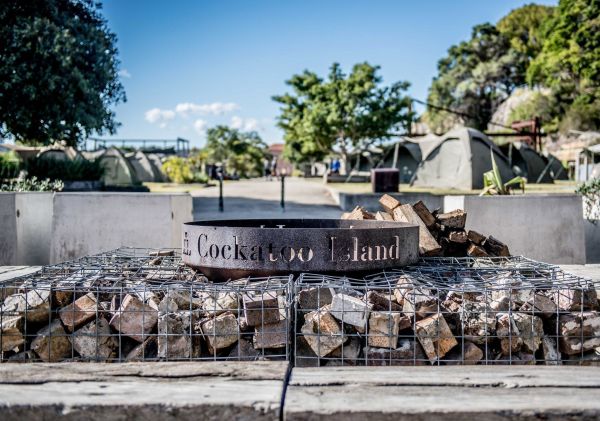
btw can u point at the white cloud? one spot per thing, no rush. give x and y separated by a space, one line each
200 126
156 115
215 108
246 124
124 73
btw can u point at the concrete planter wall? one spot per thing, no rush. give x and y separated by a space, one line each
8 229
34 212
549 228
592 241
42 228
348 201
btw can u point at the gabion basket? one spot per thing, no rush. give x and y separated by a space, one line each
142 305
446 311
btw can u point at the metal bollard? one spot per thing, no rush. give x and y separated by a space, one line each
283 192
221 192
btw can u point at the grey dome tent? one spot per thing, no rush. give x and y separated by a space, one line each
117 169
527 163
60 153
156 162
459 160
144 168
555 168
403 155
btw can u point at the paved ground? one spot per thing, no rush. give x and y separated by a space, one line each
259 198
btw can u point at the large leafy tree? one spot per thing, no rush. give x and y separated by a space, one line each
240 152
58 71
474 78
525 28
569 63
342 112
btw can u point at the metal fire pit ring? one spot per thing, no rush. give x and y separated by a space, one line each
230 249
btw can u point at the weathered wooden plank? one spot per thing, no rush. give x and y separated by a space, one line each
142 391
493 376
360 402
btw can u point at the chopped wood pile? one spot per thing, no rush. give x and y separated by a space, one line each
415 322
440 234
142 315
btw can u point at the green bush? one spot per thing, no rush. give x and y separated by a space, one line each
66 170
32 184
9 165
590 191
181 171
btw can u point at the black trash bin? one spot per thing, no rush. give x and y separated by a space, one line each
385 180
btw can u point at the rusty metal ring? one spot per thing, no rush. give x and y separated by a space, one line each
229 249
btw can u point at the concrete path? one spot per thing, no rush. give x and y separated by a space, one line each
259 198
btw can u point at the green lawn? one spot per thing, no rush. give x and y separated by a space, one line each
174 187
556 188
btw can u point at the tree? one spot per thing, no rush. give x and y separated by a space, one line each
569 63
241 153
343 112
525 28
58 71
474 78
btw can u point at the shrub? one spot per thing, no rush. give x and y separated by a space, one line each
180 170
9 165
79 169
590 191
24 184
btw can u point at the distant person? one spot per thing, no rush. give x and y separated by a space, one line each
274 168
267 169
335 166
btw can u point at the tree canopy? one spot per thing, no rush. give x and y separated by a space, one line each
474 78
556 49
341 112
569 63
58 71
241 153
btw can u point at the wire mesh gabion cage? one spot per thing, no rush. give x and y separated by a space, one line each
142 305
447 311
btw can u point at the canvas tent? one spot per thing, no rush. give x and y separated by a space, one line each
59 153
403 155
157 163
144 168
117 169
555 167
458 160
527 163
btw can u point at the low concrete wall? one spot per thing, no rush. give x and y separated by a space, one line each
42 228
87 223
592 241
34 227
549 228
370 201
8 229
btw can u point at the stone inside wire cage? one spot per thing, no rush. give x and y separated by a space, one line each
447 311
142 305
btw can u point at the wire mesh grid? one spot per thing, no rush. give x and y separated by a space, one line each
142 305
446 311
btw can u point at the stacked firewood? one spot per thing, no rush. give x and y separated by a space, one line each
80 318
414 323
440 234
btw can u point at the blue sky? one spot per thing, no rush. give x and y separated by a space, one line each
188 65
